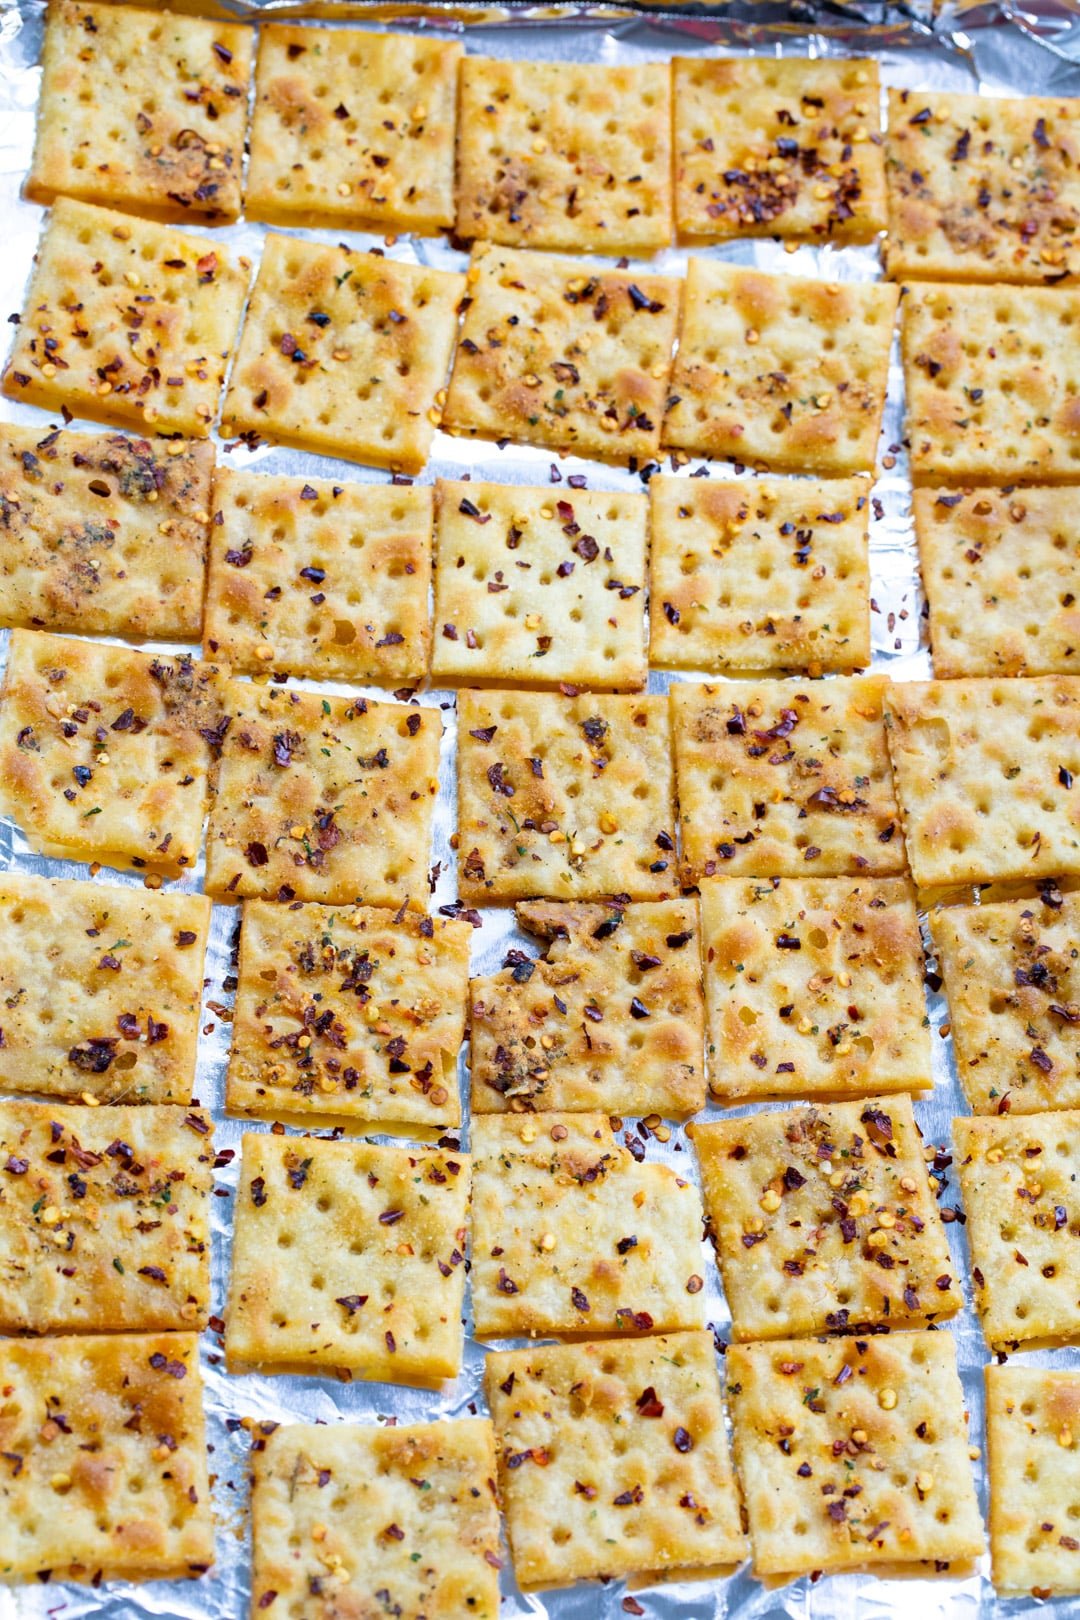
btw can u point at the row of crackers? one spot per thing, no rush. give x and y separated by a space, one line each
149 112
109 752
611 1455
110 535
347 353
783 987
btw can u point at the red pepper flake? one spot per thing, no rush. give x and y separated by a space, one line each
258 1191
505 1284
155 1273
694 1284
649 1405
16 1167
222 53
267 1598
629 1498
391 1342
579 1300
352 1302
390 1217
632 1606
256 854
682 1440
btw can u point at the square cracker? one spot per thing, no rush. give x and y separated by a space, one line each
776 779
81 1422
572 1235
610 1016
780 370
344 353
1033 1439
1018 1178
814 986
1012 976
823 1218
126 321
102 749
560 353
104 1218
1000 574
322 798
318 578
983 774
410 1527
141 110
357 1013
613 1458
759 575
537 588
778 148
353 129
567 155
990 380
101 989
565 797
103 535
982 188
818 1498
348 1255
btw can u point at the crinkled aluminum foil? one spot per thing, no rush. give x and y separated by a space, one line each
987 47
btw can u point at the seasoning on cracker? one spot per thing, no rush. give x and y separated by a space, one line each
813 987
355 1012
560 353
146 338
609 1017
759 575
572 1234
785 779
567 797
142 110
824 1220
344 353
1032 1427
348 1255
100 989
769 147
613 1458
319 578
537 587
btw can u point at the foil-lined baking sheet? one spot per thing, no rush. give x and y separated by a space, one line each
991 48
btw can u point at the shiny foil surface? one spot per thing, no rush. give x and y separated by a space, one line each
990 48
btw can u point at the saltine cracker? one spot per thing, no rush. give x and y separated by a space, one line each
1032 1430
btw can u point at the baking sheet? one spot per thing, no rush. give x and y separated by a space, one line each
989 47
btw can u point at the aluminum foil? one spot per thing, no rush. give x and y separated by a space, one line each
990 48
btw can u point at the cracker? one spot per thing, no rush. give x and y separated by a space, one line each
566 797
322 798
568 155
823 1218
100 989
343 353
537 589
320 579
984 770
88 1489
778 148
141 110
1033 1437
1018 1178
814 987
104 1218
572 1235
102 748
982 188
353 129
559 353
780 370
358 1013
853 1453
759 575
1013 985
126 321
348 1255
1000 572
610 1017
103 535
781 779
410 1526
990 378
613 1458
